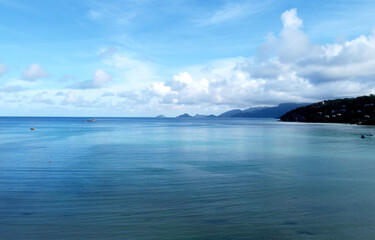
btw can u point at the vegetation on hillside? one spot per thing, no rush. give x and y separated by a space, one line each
360 110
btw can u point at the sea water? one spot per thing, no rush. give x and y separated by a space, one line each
147 178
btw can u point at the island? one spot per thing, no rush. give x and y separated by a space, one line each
360 110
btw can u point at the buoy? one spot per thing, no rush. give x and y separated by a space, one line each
49 161
363 136
32 129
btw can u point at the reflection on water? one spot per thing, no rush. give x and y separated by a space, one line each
124 178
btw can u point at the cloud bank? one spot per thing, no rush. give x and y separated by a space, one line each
287 68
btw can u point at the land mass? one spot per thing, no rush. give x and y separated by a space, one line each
253 112
268 112
360 110
263 112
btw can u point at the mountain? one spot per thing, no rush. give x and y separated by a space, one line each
185 115
263 112
204 116
230 113
360 110
160 116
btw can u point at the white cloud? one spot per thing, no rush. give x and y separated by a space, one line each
100 80
38 98
71 98
108 94
34 72
3 69
291 20
132 71
290 69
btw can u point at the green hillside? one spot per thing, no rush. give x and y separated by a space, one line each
360 110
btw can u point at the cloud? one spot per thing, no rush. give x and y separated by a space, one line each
107 51
233 11
38 98
288 68
12 89
94 14
3 69
291 20
71 98
133 71
108 94
112 13
100 80
34 72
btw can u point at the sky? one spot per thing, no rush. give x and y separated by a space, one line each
144 58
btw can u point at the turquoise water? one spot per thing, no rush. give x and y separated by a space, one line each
139 178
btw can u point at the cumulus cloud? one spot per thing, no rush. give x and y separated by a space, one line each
34 72
3 69
288 68
291 20
100 80
71 98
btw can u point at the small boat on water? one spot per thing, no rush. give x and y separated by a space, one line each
90 120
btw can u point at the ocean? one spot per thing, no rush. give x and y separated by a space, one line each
148 178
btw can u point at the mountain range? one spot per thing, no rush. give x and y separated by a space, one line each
254 112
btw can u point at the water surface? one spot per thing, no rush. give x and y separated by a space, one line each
139 178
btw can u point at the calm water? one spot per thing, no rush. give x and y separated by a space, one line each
123 178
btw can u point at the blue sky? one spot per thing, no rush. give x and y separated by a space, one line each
144 58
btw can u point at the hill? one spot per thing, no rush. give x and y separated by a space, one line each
263 112
360 110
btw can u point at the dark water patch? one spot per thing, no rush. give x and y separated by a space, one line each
306 232
26 214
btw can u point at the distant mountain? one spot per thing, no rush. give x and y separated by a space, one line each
160 116
230 113
185 115
253 112
233 112
360 110
263 112
204 116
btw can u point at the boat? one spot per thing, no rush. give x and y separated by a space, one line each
90 120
